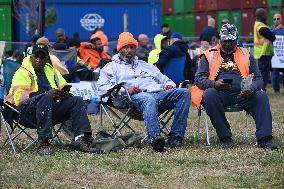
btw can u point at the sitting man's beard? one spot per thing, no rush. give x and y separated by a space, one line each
123 57
228 48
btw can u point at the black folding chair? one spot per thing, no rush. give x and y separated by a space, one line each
15 123
125 114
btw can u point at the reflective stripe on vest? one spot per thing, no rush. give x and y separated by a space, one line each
27 89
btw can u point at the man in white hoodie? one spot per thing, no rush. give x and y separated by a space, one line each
150 91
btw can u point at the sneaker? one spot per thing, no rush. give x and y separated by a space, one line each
266 143
44 148
174 141
227 143
158 144
85 144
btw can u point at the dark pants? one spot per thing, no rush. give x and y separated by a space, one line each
45 112
257 106
276 78
264 64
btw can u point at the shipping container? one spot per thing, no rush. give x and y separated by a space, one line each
260 3
236 19
183 6
189 25
5 22
189 6
211 5
228 4
178 6
222 15
201 20
178 24
170 20
246 4
168 8
271 12
113 17
274 3
247 22
200 5
5 2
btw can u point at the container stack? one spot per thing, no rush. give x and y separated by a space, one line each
190 16
5 20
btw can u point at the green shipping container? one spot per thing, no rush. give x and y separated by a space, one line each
5 2
271 12
179 24
222 15
274 3
236 19
169 20
178 6
189 6
189 25
183 6
5 22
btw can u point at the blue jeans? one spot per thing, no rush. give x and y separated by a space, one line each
275 79
151 103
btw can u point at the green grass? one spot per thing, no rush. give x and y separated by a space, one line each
192 166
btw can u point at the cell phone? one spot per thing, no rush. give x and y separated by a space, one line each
66 88
230 81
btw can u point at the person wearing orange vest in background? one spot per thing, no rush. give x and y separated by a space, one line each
220 66
93 50
263 48
100 34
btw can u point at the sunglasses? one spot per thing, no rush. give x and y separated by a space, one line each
276 18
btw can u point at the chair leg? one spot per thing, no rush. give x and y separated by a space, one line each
246 130
8 134
207 130
199 120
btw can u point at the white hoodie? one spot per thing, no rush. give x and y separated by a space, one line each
140 74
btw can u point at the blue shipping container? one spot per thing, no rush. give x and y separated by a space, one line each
83 16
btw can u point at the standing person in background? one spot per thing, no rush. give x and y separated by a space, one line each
143 49
161 42
61 38
209 35
177 52
263 48
100 34
277 29
166 31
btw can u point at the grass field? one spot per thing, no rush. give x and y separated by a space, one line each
192 166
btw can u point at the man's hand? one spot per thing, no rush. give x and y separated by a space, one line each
57 94
133 90
168 87
220 86
245 94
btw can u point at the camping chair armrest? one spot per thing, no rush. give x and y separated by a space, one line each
183 83
116 89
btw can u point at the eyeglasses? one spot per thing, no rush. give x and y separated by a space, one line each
276 18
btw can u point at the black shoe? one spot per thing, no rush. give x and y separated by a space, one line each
44 148
85 144
227 143
158 144
266 143
174 141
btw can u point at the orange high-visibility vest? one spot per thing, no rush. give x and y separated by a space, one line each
214 59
